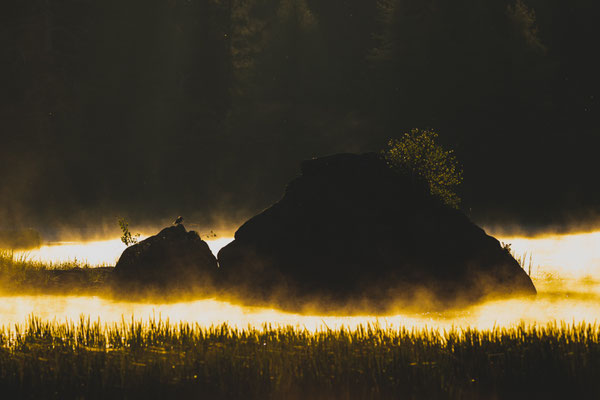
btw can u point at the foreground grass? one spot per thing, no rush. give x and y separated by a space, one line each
161 360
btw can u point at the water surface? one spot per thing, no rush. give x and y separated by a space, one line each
565 269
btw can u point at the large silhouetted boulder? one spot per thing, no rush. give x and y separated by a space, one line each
350 228
173 255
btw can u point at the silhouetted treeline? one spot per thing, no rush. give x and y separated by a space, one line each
155 108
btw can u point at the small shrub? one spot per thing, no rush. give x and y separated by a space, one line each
127 238
418 153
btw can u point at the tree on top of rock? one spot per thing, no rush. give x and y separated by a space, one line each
418 153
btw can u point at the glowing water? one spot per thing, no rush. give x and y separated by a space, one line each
99 253
548 307
574 255
566 273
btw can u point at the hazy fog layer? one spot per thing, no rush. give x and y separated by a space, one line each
565 269
96 253
571 255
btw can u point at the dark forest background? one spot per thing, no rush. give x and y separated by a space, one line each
154 108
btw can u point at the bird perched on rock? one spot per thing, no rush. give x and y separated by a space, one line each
178 221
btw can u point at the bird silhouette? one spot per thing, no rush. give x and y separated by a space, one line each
178 221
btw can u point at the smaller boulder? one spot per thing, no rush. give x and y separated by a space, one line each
173 255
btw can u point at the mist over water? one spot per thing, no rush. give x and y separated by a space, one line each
568 256
564 268
96 253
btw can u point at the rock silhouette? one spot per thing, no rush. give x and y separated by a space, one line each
350 227
174 254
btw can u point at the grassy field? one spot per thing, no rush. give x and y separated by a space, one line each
156 359
160 360
20 275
